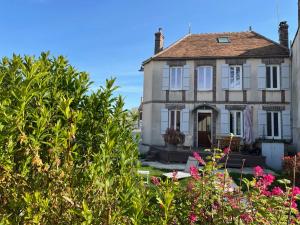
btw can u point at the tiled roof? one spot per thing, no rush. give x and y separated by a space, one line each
242 44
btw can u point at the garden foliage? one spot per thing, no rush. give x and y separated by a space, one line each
68 156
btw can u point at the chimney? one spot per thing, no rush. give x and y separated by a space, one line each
284 34
159 41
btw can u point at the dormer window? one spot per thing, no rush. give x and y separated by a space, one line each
223 40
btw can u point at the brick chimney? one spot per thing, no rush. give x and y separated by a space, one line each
159 41
284 33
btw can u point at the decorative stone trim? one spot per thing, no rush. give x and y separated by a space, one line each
226 95
282 96
273 108
216 102
205 62
263 96
173 106
167 95
176 63
244 95
235 61
269 61
195 85
235 107
214 83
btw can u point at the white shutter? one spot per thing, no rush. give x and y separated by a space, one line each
225 76
164 120
261 77
186 77
165 78
184 121
262 123
246 76
286 124
224 122
285 77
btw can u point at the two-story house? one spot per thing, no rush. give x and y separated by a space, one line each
295 49
202 84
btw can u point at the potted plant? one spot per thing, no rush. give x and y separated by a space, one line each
173 138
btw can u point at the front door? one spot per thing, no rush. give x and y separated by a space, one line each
204 129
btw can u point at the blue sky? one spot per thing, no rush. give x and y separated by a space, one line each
112 37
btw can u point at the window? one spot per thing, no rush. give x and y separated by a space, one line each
235 78
175 78
174 119
236 123
273 125
205 74
223 40
272 77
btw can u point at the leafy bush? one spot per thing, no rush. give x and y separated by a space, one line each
173 137
288 167
210 197
66 156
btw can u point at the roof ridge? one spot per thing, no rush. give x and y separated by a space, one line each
237 32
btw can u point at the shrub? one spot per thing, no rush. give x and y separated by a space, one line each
67 156
288 167
174 137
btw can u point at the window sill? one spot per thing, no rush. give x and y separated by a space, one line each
235 90
273 90
204 90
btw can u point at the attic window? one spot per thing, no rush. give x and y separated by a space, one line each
223 40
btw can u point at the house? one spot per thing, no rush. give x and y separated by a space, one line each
202 84
295 55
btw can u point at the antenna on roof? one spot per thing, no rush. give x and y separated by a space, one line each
190 28
277 11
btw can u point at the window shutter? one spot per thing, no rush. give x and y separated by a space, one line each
246 76
262 123
225 76
285 77
286 124
261 77
184 123
164 120
186 77
225 122
165 78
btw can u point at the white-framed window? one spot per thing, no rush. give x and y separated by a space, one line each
174 119
235 77
273 77
273 125
176 78
236 123
205 78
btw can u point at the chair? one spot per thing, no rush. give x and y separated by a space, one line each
186 172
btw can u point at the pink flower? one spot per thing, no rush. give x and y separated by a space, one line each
277 191
268 179
294 205
199 159
155 181
194 172
227 150
296 191
192 218
246 218
258 171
